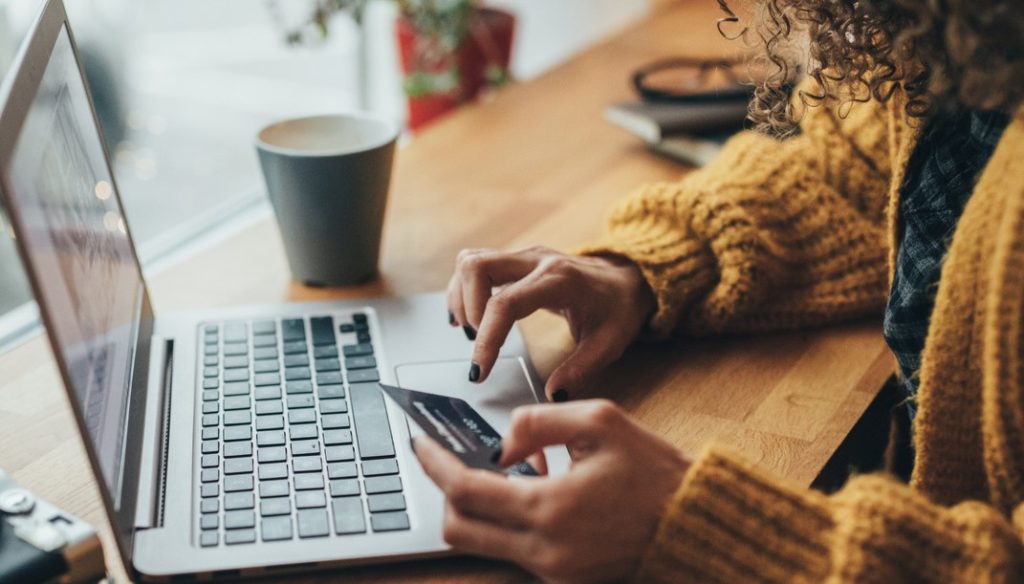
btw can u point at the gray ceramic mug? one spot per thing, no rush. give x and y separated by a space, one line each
328 179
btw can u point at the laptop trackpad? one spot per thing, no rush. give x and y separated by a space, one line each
507 387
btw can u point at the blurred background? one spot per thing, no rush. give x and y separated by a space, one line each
182 87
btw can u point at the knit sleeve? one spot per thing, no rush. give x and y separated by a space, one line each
730 522
773 234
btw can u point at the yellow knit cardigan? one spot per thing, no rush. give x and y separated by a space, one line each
803 232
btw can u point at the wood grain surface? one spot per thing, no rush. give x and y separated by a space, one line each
533 165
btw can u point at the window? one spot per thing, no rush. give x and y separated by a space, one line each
182 87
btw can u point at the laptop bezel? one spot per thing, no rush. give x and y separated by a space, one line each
17 93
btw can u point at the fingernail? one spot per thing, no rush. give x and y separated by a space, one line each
470 332
496 456
474 371
451 318
560 396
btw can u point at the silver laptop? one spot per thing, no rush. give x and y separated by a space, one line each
233 442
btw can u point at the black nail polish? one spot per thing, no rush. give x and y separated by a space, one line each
451 318
470 332
496 456
474 372
560 396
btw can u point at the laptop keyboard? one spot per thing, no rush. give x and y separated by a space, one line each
294 433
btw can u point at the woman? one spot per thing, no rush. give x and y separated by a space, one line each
900 190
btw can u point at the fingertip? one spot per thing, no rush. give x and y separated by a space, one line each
560 396
451 319
470 332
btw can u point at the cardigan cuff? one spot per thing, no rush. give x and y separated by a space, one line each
730 522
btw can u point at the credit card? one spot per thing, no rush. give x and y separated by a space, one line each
455 425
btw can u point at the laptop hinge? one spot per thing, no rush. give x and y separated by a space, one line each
153 466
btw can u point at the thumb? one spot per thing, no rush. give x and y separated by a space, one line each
581 424
592 354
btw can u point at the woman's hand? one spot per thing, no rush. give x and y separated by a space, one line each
592 524
605 301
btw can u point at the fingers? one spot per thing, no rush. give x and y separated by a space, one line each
581 425
517 301
594 352
478 493
474 536
477 272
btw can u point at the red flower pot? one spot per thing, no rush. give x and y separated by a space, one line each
488 44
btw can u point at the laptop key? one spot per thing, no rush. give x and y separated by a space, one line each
293 329
300 401
330 391
305 447
210 350
213 383
309 481
269 407
261 379
388 502
358 350
210 395
313 522
296 373
209 506
236 388
271 454
276 488
235 466
393 521
262 353
236 362
363 376
237 402
237 418
267 366
346 327
235 332
332 421
342 470
326 351
275 470
270 438
236 483
344 488
363 337
232 349
209 490
210 361
302 431
339 453
211 433
378 485
231 375
237 433
306 464
373 468
299 387
211 420
268 392
276 506
302 417
269 422
239 519
299 360
237 536
264 341
210 461
322 328
337 437
348 515
310 499
329 378
373 431
294 347
276 528
337 406
211 407
235 501
209 538
359 318
360 363
210 372
209 475
211 447
327 365
236 449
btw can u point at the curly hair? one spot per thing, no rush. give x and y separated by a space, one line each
942 54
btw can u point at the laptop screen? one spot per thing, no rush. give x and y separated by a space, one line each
75 239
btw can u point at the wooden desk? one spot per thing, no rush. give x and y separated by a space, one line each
535 165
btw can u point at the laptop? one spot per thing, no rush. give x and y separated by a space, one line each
236 442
